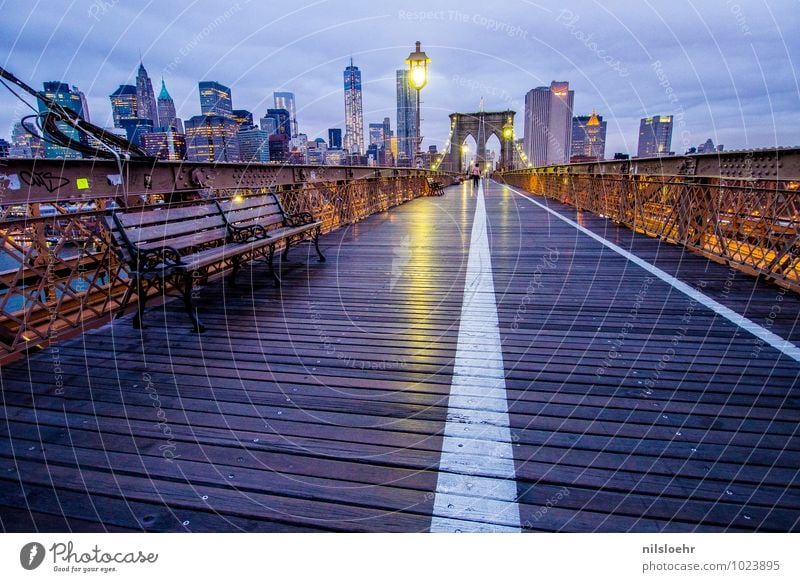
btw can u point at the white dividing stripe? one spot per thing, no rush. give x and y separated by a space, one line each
738 319
476 490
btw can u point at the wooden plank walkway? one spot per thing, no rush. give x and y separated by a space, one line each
321 406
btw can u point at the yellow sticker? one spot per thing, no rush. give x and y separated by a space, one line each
82 183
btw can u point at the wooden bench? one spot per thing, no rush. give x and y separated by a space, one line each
436 186
182 245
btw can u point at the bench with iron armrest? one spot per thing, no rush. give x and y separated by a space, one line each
181 244
263 216
436 186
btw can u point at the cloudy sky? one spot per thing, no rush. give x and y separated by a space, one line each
724 67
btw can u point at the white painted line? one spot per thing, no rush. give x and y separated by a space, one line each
477 489
768 337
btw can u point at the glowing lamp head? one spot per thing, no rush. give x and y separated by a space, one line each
464 149
418 68
508 132
238 198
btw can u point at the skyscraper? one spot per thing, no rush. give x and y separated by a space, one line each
167 116
165 143
588 138
353 111
243 117
135 128
70 99
387 131
123 104
548 124
84 103
253 145
406 116
212 138
269 124
655 136
282 120
25 144
376 135
335 138
215 99
145 97
285 100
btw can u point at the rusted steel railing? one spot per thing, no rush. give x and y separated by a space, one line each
751 224
58 270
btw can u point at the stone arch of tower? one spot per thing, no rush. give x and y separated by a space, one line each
481 125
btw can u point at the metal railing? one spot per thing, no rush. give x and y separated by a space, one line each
59 272
752 225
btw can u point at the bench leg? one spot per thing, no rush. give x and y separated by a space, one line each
286 250
316 246
271 263
141 301
197 327
232 277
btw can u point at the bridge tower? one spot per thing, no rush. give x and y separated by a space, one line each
481 125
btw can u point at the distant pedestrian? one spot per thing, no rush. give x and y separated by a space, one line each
476 175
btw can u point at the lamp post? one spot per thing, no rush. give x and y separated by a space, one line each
508 146
418 77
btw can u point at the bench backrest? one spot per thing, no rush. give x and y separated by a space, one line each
182 228
262 209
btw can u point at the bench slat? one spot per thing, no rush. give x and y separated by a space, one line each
166 213
172 230
232 205
268 215
187 241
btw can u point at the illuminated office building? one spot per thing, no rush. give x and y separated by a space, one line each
285 100
243 117
145 97
253 145
548 124
353 111
165 143
655 136
70 99
588 138
406 116
281 122
123 104
335 138
215 99
166 110
212 138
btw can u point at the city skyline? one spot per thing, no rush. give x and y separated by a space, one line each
694 69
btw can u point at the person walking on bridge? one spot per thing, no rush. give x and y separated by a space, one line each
476 175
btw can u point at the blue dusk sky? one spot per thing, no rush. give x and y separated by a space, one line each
725 68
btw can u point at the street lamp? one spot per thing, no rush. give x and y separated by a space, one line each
418 77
